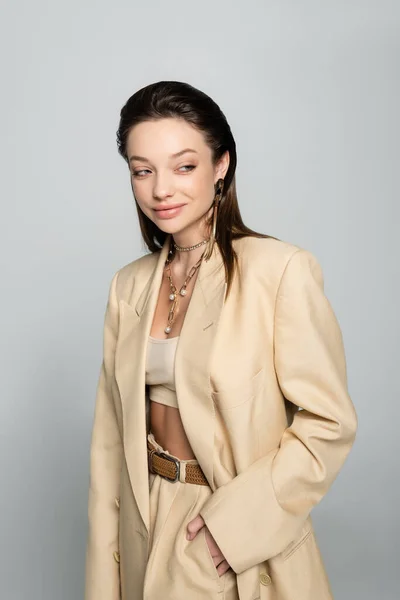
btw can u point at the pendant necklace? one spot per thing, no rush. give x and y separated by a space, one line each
174 292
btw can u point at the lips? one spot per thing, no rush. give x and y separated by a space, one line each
168 212
168 207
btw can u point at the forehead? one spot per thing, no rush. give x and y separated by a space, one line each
162 137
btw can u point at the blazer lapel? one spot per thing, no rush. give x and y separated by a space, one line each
192 368
193 360
130 365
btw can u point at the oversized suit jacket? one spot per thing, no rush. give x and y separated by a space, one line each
268 361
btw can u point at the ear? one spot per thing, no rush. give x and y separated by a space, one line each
222 166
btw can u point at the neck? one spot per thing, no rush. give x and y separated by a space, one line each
184 260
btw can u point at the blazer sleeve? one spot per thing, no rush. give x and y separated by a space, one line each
102 572
259 512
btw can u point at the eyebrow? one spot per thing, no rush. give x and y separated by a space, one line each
136 157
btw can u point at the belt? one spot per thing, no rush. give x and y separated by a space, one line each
172 469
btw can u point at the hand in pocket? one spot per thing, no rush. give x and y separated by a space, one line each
193 528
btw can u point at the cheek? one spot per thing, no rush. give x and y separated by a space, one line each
199 186
143 193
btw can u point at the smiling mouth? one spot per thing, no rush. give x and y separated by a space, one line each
168 212
165 208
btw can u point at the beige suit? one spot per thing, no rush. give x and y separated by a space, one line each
244 364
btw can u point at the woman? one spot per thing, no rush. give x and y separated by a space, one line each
222 413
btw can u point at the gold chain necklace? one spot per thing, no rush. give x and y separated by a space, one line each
174 293
188 248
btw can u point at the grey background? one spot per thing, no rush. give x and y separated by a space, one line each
311 90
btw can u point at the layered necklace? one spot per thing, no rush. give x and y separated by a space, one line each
175 294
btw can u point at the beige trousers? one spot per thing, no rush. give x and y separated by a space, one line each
178 569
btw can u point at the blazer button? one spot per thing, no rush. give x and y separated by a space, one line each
116 556
117 502
265 579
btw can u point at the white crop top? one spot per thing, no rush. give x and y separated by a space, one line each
160 361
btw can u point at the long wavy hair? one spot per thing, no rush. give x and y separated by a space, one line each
174 99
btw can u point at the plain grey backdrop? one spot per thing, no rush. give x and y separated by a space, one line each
311 90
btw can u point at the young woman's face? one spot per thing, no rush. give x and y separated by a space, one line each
172 174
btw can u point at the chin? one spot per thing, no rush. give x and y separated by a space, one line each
167 226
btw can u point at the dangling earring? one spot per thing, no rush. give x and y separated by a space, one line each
217 199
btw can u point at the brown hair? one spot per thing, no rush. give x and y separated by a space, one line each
174 99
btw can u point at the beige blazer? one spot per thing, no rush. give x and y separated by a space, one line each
268 361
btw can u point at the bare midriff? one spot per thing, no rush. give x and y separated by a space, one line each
167 427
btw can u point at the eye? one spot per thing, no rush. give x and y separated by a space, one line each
190 167
139 173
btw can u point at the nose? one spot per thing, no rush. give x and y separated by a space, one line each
163 186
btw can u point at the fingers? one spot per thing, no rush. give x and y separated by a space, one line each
223 567
215 550
194 527
220 562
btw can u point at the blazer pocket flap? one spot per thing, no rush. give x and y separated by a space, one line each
237 393
300 539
